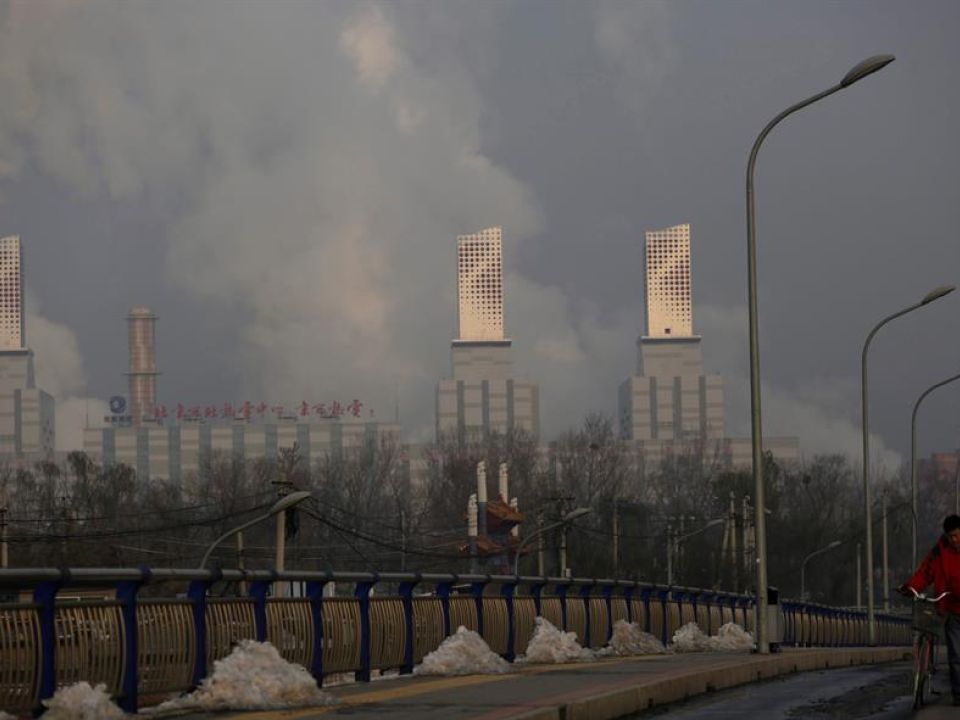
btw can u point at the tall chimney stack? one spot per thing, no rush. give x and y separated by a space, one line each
141 327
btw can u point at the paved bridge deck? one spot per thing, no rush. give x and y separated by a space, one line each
601 690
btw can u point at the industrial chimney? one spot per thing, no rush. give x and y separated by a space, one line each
141 324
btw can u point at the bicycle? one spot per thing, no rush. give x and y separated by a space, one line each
928 628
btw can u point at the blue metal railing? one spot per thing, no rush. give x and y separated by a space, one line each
207 625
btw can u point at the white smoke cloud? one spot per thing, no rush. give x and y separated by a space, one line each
316 168
822 412
58 367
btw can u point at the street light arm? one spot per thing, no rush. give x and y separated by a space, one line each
821 551
566 520
861 70
232 531
913 460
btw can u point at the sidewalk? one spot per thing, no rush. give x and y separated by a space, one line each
601 690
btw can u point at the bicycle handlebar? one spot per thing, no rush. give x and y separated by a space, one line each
920 596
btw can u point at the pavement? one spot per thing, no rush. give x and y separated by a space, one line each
601 690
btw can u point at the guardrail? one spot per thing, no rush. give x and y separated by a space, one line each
144 647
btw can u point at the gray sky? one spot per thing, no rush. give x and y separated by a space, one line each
283 183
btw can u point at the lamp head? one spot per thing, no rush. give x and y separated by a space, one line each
866 67
834 544
288 501
577 513
937 293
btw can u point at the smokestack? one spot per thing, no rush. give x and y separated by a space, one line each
142 376
482 497
504 493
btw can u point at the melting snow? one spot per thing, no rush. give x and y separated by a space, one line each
253 677
730 637
463 653
629 639
551 645
82 702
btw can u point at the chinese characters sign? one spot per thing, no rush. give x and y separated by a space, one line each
250 410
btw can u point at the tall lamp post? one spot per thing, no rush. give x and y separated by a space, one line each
913 460
934 294
565 520
673 548
284 503
858 72
803 567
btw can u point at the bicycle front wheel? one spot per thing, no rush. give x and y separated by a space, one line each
922 658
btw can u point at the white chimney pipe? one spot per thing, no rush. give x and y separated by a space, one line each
504 493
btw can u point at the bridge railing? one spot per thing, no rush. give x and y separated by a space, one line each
151 632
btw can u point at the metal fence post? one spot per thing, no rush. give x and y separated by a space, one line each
314 592
507 590
628 599
362 593
585 591
536 589
197 592
607 592
45 595
127 595
443 592
476 589
258 591
645 599
665 625
406 596
561 591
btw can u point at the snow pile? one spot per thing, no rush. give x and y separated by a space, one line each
690 638
5 716
551 645
730 637
252 677
463 653
629 639
82 702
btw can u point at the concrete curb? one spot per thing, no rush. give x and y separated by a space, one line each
631 700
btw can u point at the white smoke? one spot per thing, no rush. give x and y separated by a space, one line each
58 366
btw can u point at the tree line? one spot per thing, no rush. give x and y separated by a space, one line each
369 512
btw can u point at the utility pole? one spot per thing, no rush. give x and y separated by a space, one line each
734 557
4 558
240 562
403 540
284 485
745 505
616 539
886 560
859 580
540 548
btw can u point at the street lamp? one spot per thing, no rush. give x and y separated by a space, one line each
934 294
565 520
673 548
858 72
803 566
287 501
913 461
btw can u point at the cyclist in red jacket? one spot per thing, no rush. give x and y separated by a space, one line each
941 568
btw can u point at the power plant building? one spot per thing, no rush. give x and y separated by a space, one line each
670 404
483 396
179 451
27 413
